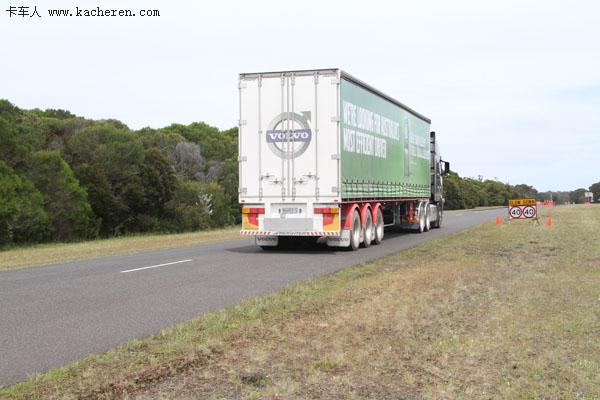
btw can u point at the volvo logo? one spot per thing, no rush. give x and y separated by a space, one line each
289 134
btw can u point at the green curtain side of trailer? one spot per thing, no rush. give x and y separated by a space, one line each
384 148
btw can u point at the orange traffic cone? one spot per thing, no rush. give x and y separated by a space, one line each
498 220
549 222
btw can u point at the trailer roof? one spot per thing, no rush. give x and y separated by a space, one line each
343 75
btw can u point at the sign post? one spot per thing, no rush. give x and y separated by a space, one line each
522 209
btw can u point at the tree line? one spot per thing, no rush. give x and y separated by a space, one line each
469 193
67 178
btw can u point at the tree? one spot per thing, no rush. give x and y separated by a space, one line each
474 192
497 193
452 192
189 160
108 159
178 178
215 169
22 215
523 191
16 140
191 207
577 196
557 197
468 192
215 145
165 141
55 127
111 211
58 114
65 202
158 180
229 182
220 207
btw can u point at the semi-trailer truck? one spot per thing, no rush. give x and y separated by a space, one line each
325 155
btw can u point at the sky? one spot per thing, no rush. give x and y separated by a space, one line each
512 87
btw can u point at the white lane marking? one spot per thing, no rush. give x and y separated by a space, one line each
156 266
457 215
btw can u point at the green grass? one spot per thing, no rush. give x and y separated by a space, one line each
43 254
509 311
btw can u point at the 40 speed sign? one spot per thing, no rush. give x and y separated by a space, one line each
522 209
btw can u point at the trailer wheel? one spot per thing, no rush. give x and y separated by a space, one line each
421 227
427 218
369 230
355 232
379 228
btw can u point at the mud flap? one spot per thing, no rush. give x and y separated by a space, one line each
339 241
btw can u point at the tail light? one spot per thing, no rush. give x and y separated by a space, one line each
331 218
248 210
250 217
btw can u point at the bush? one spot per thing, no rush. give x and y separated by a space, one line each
220 207
108 159
22 215
190 208
65 202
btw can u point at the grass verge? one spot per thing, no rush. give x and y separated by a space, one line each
53 253
509 311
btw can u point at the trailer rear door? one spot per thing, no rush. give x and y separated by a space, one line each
289 142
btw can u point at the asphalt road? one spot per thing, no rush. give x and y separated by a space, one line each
54 314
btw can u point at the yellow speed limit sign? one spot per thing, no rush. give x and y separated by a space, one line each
522 209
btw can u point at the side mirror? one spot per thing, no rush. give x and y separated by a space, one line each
446 167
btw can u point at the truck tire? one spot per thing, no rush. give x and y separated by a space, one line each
369 230
355 232
438 222
427 218
379 231
421 227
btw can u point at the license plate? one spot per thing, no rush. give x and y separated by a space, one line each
290 210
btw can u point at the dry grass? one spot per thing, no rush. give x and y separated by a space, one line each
509 311
62 252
